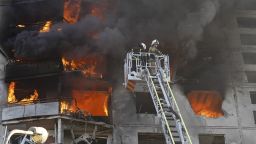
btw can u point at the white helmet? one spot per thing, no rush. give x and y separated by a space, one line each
143 46
155 42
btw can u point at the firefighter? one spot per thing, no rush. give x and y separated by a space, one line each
141 48
153 53
143 54
153 48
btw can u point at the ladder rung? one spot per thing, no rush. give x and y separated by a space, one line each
172 123
164 105
168 113
167 109
169 118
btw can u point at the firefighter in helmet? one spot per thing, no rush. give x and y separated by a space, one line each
140 48
153 52
143 46
153 48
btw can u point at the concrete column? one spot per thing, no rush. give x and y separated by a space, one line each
60 132
5 134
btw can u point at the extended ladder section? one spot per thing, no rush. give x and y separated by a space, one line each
153 70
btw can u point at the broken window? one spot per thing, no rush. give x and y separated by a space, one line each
206 103
253 97
251 76
151 138
249 58
246 22
211 139
248 39
144 103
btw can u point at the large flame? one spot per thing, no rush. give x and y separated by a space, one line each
12 98
206 103
94 103
46 27
72 10
86 65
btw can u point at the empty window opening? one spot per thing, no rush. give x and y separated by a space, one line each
144 103
151 138
253 97
251 76
248 39
246 22
249 58
211 139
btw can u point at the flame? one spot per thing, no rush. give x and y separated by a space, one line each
87 66
12 98
72 10
32 98
206 103
65 106
106 107
46 27
94 103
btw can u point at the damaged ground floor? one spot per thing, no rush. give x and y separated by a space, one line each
133 123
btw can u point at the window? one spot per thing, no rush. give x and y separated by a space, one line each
254 116
211 139
253 97
249 58
246 22
251 76
151 138
144 103
248 39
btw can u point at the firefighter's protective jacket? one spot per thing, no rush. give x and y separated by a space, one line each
154 50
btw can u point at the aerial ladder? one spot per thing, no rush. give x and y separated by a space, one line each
148 72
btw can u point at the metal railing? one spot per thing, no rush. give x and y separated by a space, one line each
137 62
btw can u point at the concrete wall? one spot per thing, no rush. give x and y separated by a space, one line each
227 125
127 123
3 91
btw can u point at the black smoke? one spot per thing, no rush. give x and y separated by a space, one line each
192 32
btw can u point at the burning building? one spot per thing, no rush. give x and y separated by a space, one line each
62 60
68 96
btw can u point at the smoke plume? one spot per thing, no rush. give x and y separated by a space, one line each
182 27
